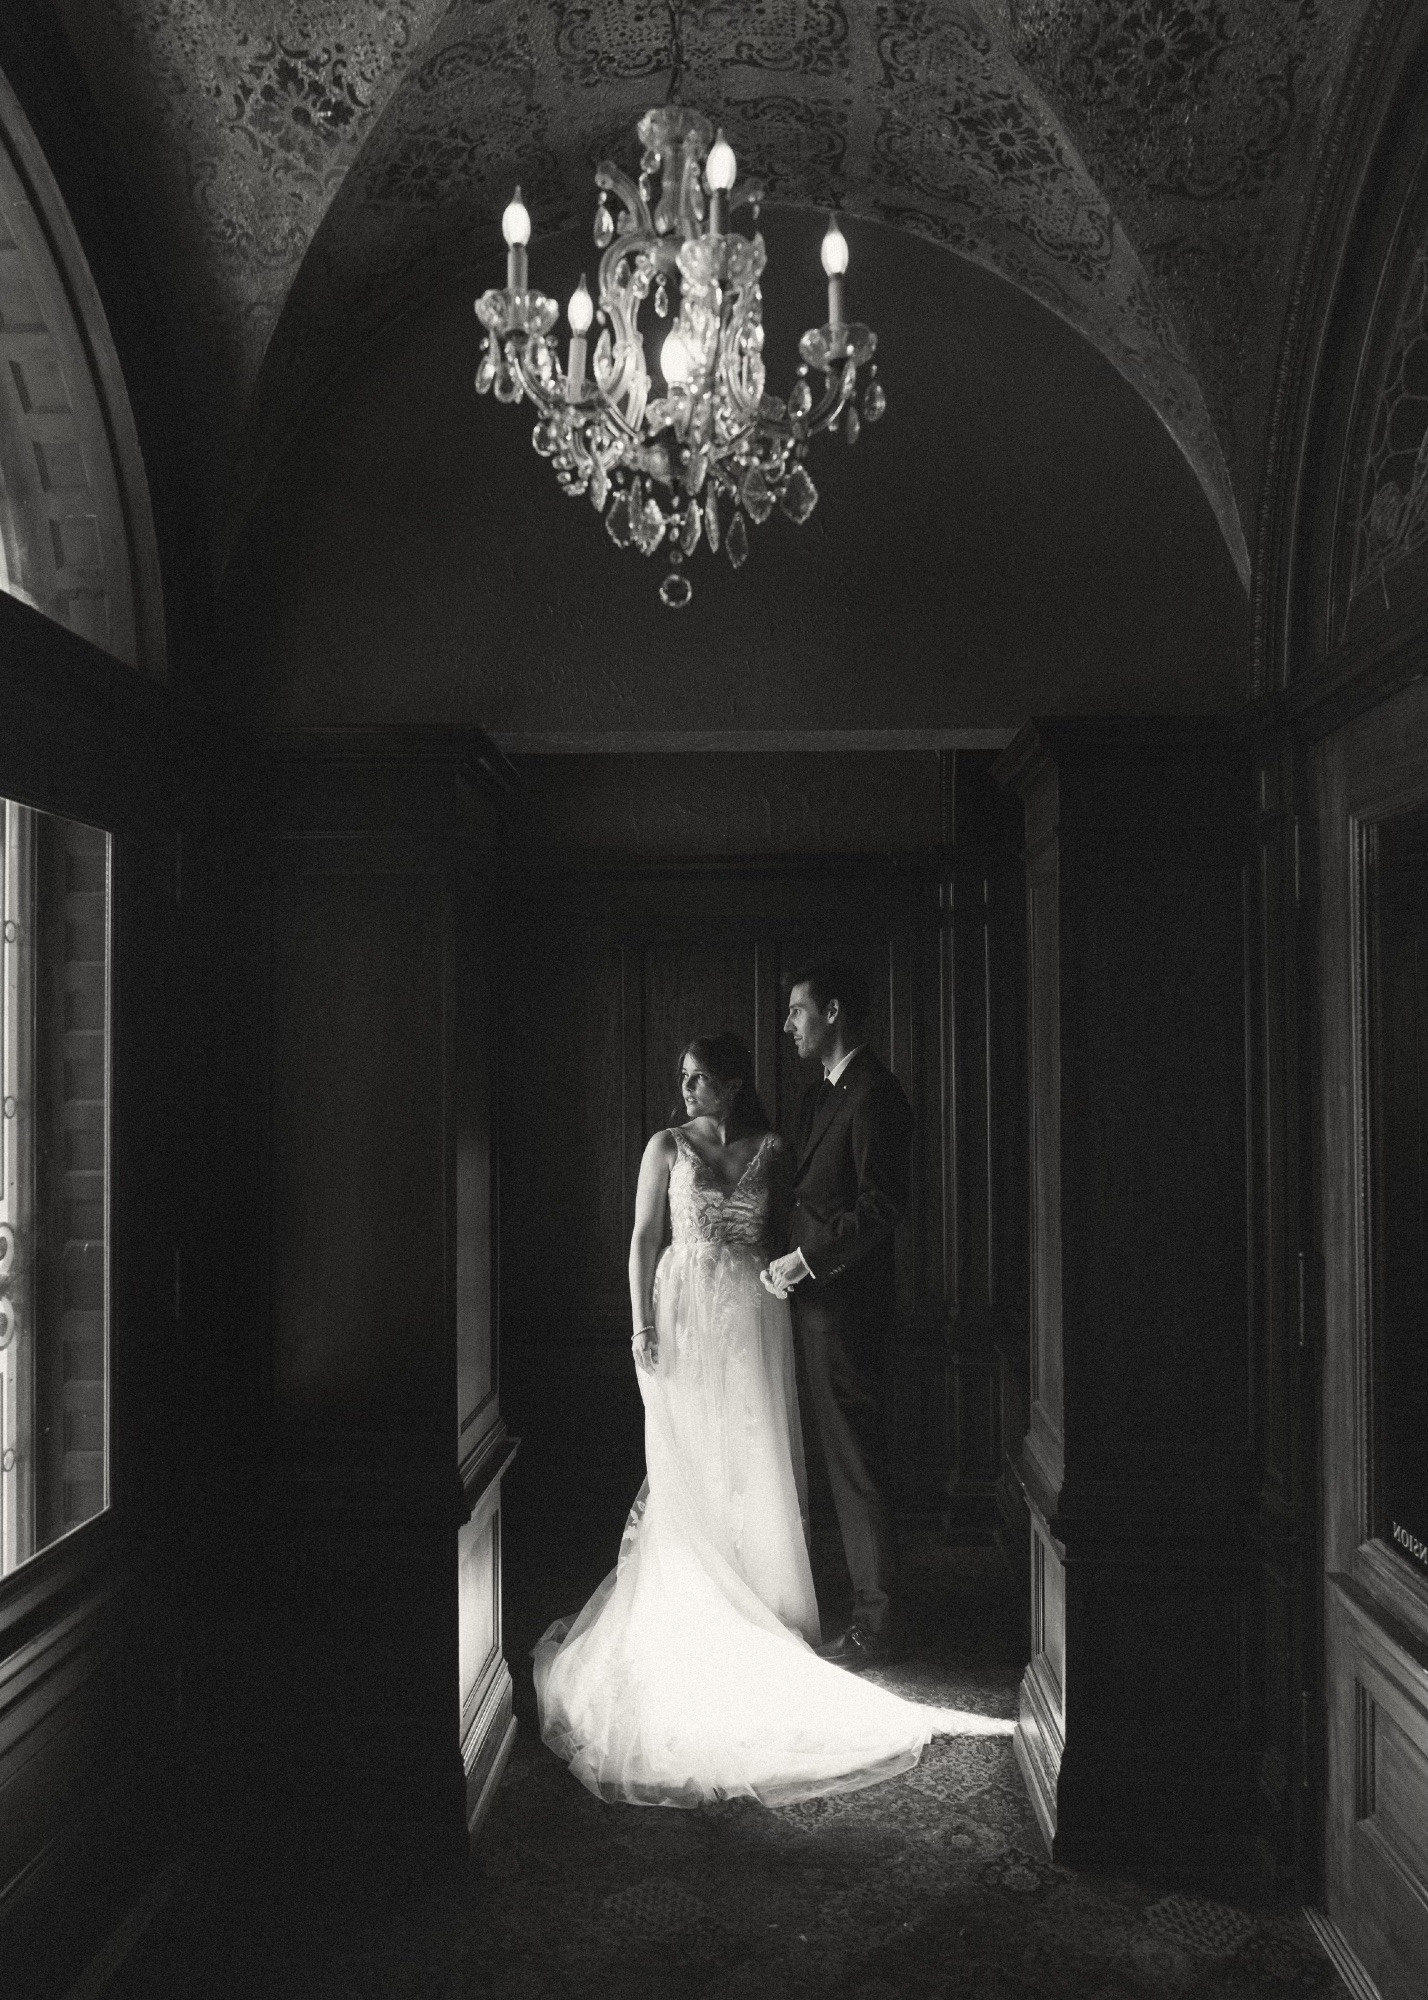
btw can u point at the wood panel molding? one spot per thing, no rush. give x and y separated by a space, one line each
1133 1468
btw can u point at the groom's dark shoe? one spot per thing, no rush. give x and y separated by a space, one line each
860 1646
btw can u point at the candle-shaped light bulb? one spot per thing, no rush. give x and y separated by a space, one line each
719 171
721 166
835 262
579 312
581 309
516 228
516 222
674 359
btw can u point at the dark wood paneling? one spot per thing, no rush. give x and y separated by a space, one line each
610 971
349 1395
358 1188
1371 796
1134 1734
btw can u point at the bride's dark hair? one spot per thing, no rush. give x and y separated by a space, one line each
726 1057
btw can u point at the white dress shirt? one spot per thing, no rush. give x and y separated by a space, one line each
842 1063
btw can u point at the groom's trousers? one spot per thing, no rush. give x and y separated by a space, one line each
844 1380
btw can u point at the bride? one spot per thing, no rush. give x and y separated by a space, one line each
691 1673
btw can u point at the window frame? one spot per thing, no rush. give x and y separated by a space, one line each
87 739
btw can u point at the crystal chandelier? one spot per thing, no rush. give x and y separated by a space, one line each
696 448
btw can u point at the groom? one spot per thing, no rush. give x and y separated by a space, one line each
850 1188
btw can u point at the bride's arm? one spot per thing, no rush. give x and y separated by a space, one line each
645 1242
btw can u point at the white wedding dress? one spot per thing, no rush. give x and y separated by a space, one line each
690 1675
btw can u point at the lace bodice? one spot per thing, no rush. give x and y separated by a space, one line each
704 1209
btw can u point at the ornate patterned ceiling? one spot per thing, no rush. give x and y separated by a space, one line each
1139 166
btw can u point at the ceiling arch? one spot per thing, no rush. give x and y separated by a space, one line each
306 170
912 112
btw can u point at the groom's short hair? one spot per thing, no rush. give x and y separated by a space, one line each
830 979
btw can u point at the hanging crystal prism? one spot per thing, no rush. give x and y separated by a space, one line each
851 425
617 521
874 401
758 500
647 525
604 231
737 541
799 496
711 519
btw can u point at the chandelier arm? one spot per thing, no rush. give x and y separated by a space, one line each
527 373
637 217
826 412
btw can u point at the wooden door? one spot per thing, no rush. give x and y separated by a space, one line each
1373 806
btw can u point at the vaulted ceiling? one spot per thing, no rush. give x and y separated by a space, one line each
306 172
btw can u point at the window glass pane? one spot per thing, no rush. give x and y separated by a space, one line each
1398 1058
54 1195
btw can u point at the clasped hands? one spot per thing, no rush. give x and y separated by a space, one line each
779 1277
783 1274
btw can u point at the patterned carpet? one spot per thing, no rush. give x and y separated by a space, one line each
935 1884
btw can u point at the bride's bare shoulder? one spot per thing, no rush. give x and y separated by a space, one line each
661 1146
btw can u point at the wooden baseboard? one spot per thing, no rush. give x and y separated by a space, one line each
487 1747
1341 1955
476 1813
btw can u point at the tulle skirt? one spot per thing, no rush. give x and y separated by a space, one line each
689 1675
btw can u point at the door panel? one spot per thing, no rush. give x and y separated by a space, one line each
1372 785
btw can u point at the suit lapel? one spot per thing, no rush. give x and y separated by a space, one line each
827 1110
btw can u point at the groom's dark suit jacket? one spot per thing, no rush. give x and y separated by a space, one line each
850 1187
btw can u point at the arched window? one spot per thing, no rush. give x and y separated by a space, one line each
76 531
77 543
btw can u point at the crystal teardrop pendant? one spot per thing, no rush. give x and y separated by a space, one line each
661 298
647 524
689 533
711 519
737 541
758 500
800 399
696 471
486 372
874 401
604 231
617 521
799 496
599 486
851 424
